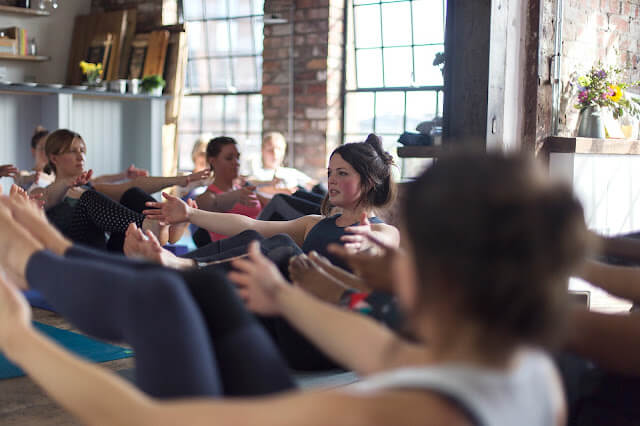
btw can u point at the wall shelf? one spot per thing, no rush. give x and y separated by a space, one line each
22 11
10 57
429 151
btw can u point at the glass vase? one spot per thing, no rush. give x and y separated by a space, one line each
591 124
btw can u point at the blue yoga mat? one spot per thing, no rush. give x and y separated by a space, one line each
84 346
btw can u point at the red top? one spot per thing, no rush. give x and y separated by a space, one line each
252 210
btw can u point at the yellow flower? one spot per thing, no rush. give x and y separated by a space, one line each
617 95
88 68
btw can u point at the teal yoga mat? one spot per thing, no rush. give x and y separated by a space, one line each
84 346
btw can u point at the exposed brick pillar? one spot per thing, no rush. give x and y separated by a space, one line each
316 27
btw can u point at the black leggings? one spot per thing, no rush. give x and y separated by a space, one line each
191 334
94 214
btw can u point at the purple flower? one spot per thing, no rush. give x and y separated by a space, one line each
604 96
602 74
582 96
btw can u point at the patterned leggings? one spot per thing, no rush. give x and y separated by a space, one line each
94 214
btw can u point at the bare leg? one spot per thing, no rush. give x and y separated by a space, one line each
28 214
19 245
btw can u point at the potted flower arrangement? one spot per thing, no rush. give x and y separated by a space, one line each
600 89
153 84
93 72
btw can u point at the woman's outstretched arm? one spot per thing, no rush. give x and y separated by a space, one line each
149 184
174 210
353 340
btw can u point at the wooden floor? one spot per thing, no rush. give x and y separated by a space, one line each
23 403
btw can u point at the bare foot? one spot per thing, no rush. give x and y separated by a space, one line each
17 243
160 230
177 231
30 215
137 245
314 279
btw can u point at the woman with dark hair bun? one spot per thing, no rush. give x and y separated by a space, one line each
359 183
482 283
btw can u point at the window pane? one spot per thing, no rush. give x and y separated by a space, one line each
215 8
212 111
426 73
255 113
190 114
428 22
192 9
389 112
244 74
241 36
198 72
220 78
359 113
258 35
236 113
421 106
396 27
258 60
218 37
369 68
196 39
258 7
185 146
349 138
239 7
397 66
367 26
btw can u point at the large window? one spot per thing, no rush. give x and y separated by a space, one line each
392 84
224 74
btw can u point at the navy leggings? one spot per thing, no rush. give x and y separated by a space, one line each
191 334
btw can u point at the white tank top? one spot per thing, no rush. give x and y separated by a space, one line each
529 394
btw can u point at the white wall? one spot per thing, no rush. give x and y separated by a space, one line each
53 37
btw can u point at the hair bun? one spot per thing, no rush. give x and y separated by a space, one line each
375 141
39 129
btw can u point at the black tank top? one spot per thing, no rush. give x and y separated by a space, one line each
326 232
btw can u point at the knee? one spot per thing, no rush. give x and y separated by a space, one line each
280 240
157 292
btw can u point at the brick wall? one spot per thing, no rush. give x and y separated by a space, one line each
316 30
608 30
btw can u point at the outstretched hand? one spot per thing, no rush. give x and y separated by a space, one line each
258 281
173 210
374 268
133 172
194 177
8 170
15 313
356 239
82 179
